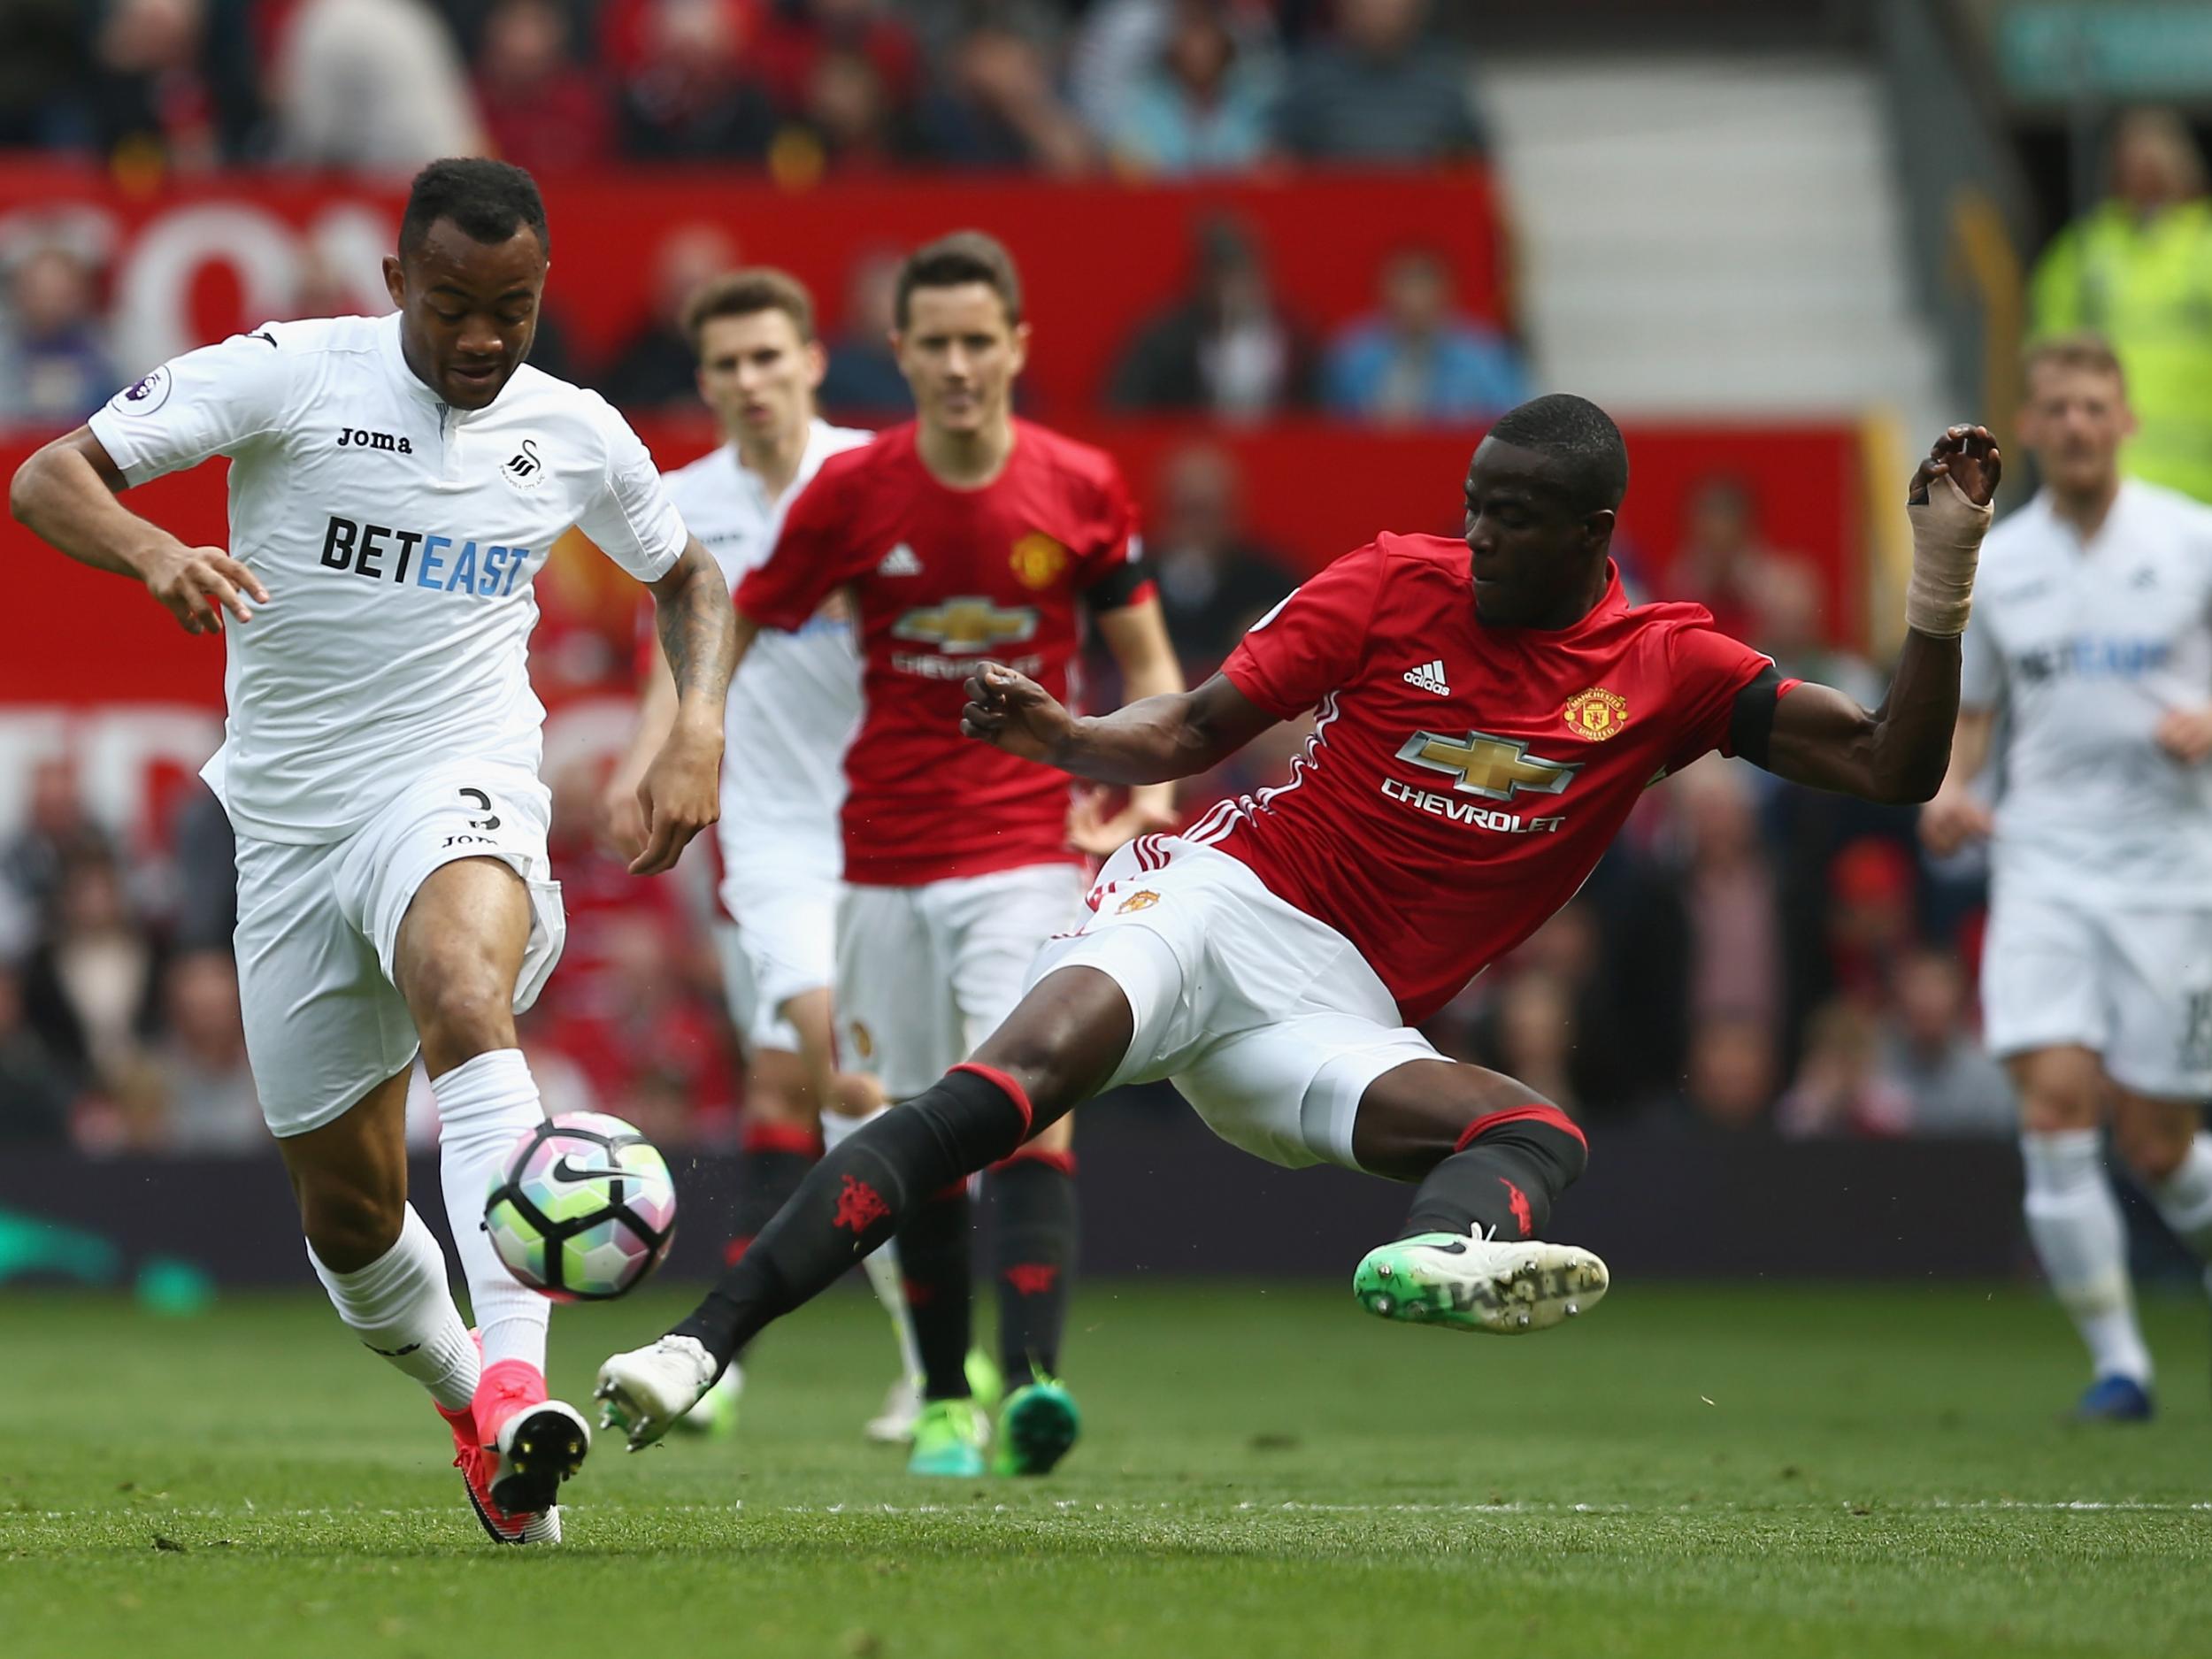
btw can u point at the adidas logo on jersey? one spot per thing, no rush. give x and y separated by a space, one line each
1430 677
899 561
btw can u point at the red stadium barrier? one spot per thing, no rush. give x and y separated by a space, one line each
205 259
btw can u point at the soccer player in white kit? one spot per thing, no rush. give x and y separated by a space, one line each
395 483
2092 637
792 711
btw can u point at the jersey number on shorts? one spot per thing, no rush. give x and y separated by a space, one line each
490 820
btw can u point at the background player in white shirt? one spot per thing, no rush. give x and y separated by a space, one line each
2092 636
792 711
394 486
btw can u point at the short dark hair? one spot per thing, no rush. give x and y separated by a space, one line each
745 294
1579 435
966 256
2083 349
489 200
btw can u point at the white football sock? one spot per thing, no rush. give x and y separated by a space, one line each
2185 1198
881 1265
401 1306
485 1105
2075 1222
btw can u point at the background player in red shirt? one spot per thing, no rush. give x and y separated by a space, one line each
1488 711
965 535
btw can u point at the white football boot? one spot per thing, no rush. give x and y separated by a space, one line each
1505 1288
894 1426
643 1392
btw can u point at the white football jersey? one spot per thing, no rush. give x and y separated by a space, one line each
796 698
397 537
2084 646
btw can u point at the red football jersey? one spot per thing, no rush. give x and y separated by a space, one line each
1462 781
944 579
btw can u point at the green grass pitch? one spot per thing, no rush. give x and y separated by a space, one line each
1758 1471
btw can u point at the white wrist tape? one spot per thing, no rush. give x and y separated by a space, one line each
1947 542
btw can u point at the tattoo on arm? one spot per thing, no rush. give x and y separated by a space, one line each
697 626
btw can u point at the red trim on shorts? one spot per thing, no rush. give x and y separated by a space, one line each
1785 687
1063 1161
780 1138
1533 1113
1006 1085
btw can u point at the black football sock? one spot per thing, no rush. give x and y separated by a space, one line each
857 1196
1501 1182
1033 1249
934 1244
776 1158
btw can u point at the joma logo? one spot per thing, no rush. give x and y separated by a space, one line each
355 438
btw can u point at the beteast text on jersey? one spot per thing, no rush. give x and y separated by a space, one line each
362 549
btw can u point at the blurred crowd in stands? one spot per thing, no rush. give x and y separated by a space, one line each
1752 959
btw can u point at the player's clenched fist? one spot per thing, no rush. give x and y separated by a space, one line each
197 584
679 796
1013 712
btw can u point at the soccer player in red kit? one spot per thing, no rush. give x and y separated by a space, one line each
1489 711
964 536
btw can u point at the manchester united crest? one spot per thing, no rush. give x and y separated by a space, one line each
1037 561
1143 900
1596 714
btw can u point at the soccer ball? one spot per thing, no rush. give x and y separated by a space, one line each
583 1208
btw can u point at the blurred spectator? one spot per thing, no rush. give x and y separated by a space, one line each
1734 967
44 72
864 384
56 830
54 367
1787 597
1380 89
1417 361
1729 1079
206 855
1536 1037
2138 270
91 988
1226 350
1720 557
1204 103
206 1091
994 105
542 110
173 84
371 85
35 1092
1929 1056
1839 1088
1215 582
692 96
1119 44
657 368
1871 915
798 39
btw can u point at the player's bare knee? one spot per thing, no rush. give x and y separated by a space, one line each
461 1009
2152 1138
2056 1108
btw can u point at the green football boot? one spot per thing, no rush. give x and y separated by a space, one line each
986 1383
1475 1284
949 1439
1037 1428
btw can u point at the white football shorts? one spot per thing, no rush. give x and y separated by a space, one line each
2135 986
925 973
318 925
1270 1023
779 938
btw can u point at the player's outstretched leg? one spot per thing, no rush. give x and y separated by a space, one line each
894 1423
459 955
1054 1051
1472 1257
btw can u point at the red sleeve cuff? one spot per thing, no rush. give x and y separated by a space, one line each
1242 672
